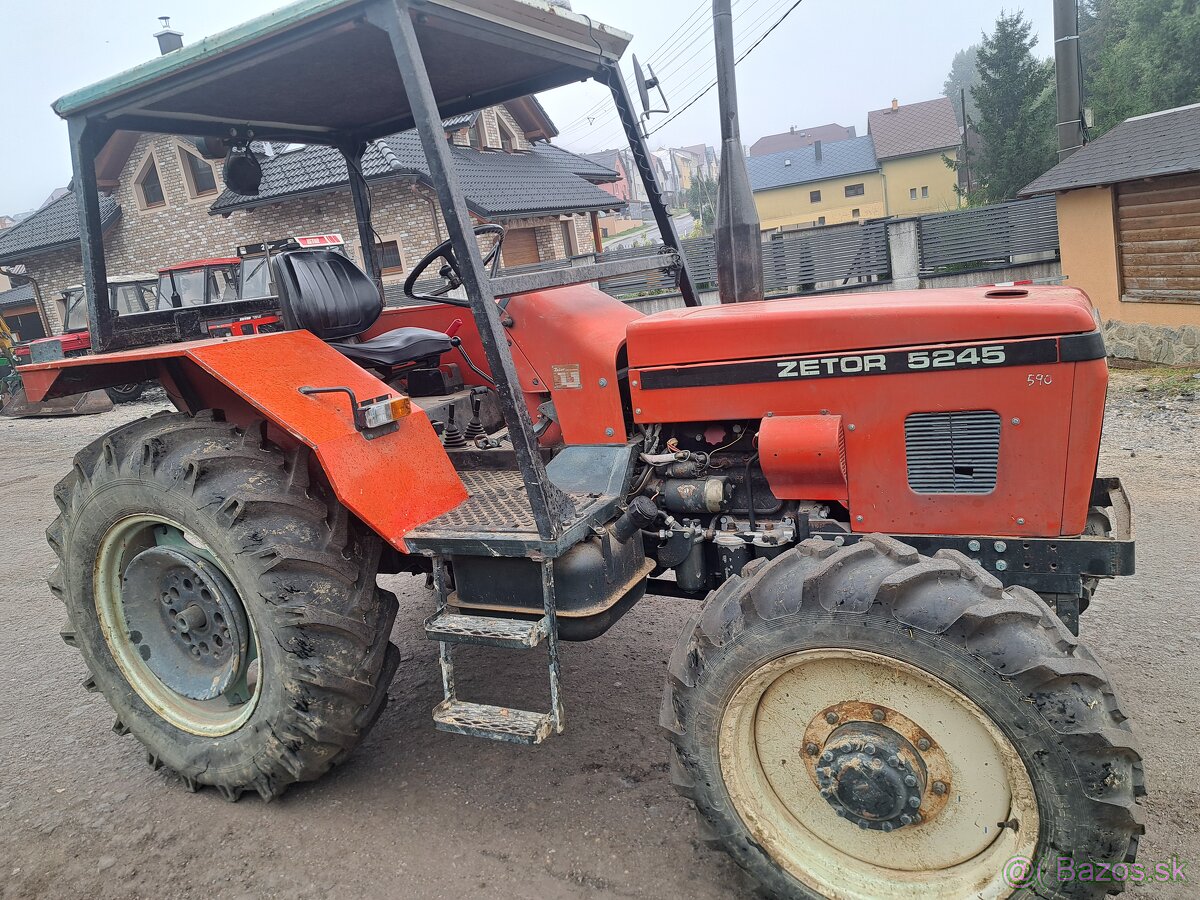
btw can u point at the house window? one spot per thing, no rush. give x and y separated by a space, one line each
149 187
820 221
856 213
199 174
387 253
925 193
508 140
912 194
475 135
855 190
815 197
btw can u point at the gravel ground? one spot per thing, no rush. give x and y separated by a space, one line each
590 814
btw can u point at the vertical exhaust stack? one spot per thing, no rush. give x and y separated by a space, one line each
738 238
1069 72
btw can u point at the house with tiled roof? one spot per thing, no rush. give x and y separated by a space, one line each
1129 231
798 138
913 142
163 203
823 184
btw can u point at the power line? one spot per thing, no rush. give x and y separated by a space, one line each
704 69
753 47
696 68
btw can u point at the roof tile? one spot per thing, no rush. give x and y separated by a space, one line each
1165 143
914 128
55 224
793 167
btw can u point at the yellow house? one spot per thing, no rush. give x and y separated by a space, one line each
825 184
1129 232
910 143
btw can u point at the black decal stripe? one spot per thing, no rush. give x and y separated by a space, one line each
1021 353
1082 347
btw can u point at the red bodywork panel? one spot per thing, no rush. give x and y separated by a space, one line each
72 342
393 483
1051 413
201 264
565 342
804 457
850 322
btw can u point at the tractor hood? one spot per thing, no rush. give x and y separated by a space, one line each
853 322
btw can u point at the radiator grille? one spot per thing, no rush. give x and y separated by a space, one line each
952 453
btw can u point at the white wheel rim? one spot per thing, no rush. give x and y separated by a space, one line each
205 718
961 851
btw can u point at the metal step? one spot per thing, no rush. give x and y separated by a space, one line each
496 723
487 631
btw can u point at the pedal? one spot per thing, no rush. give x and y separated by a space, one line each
485 631
495 723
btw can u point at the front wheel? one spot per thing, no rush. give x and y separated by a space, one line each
861 722
225 605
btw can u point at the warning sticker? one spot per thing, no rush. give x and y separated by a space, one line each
567 378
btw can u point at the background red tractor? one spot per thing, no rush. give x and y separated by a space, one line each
885 506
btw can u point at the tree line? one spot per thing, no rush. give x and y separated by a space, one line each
1139 56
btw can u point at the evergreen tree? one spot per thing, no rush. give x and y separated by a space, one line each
1014 122
964 75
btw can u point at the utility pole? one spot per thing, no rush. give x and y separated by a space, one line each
738 236
1072 134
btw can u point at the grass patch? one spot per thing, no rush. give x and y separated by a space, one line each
1166 383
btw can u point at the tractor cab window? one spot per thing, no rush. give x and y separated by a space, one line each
75 318
178 289
222 285
130 299
256 278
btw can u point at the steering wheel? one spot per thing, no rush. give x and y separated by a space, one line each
450 272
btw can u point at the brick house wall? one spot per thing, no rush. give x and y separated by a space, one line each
145 240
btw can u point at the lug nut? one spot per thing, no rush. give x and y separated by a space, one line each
894 762
831 718
869 749
878 715
826 757
939 787
811 749
906 820
862 823
888 826
923 745
910 780
914 802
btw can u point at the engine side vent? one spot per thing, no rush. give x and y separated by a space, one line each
953 453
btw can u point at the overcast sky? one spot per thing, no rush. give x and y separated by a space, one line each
830 61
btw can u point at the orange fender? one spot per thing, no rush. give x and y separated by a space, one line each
394 483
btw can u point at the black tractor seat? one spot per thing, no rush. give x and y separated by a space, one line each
324 292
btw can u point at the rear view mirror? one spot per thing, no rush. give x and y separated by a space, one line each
645 86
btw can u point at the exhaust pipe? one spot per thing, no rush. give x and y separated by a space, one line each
738 237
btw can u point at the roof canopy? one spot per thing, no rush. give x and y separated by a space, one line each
318 71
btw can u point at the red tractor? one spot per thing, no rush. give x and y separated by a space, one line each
885 506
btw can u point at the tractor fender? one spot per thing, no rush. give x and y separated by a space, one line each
393 482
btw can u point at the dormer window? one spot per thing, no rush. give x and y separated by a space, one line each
508 140
198 173
149 187
475 135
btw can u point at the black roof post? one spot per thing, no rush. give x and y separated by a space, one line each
87 139
738 232
641 158
353 154
550 506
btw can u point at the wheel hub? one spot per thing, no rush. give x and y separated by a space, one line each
872 776
185 620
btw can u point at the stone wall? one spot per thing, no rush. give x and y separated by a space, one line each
1163 345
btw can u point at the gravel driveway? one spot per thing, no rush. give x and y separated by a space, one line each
416 813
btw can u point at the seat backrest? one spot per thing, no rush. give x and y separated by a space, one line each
324 292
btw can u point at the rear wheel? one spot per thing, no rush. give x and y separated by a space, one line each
862 722
226 607
125 393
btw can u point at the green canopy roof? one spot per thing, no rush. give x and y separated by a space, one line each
319 69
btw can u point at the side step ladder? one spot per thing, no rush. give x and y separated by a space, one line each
497 723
